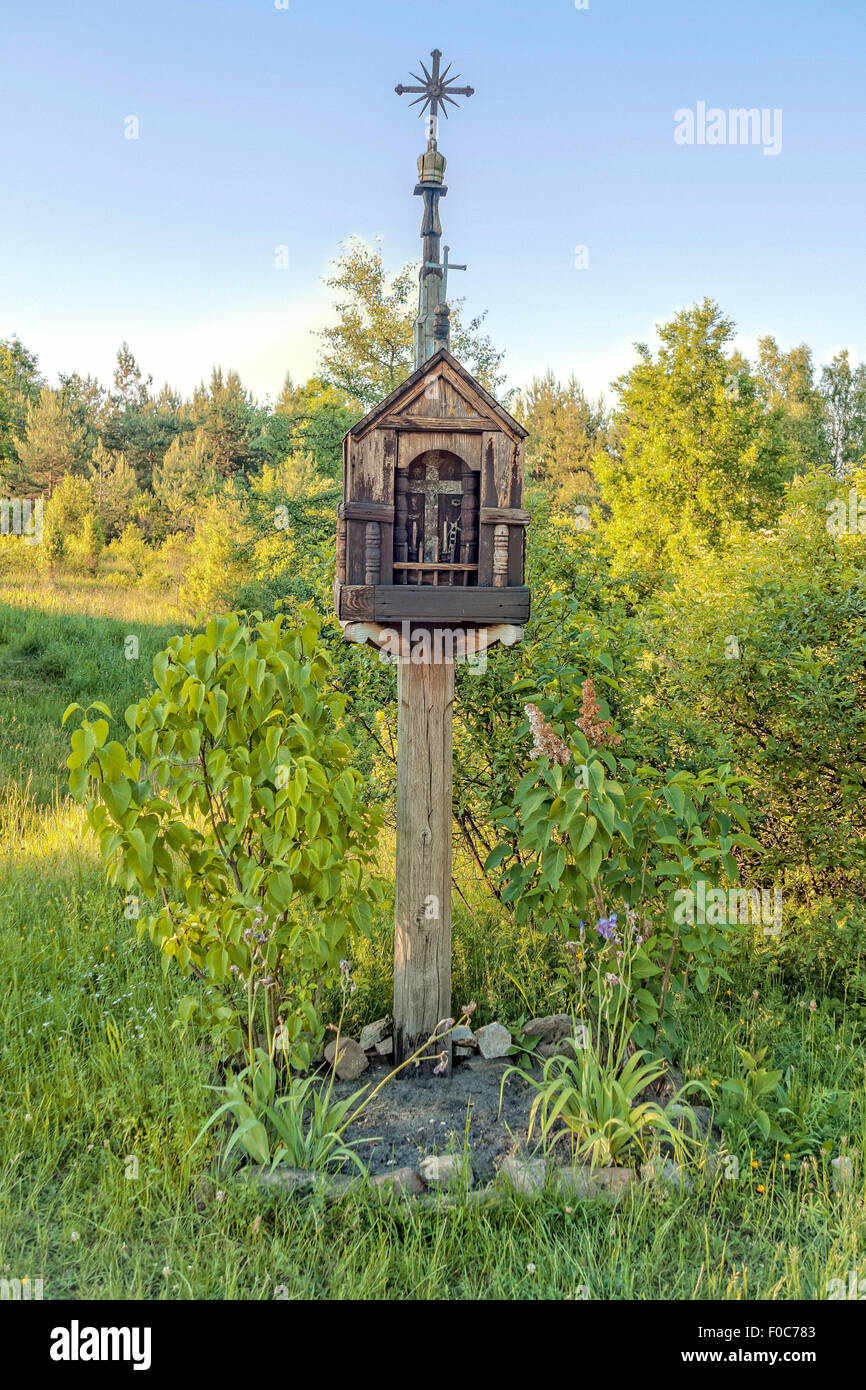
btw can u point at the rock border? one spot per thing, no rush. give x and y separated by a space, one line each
451 1174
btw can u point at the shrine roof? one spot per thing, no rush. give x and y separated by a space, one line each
473 387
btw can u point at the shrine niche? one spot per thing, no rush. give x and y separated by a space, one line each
431 527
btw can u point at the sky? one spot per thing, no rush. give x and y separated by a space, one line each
266 124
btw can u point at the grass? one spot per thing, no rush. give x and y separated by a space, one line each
102 1097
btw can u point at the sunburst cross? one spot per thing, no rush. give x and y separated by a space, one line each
436 90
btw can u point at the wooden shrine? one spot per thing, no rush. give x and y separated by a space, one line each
431 527
431 539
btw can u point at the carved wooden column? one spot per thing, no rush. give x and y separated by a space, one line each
500 557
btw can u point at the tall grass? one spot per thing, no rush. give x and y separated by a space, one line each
101 1096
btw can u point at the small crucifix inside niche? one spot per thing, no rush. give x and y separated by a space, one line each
434 510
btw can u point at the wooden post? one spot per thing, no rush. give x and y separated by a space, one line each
422 919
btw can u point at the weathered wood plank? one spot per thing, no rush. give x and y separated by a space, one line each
371 467
475 424
412 444
424 603
422 916
512 516
356 603
366 511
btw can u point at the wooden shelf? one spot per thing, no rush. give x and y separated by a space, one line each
433 565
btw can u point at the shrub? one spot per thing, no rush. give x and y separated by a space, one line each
234 804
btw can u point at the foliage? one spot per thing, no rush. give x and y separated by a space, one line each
771 678
566 432
115 490
697 452
749 1096
50 446
593 1093
369 351
302 1128
617 834
235 803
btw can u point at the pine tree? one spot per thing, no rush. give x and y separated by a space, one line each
91 542
566 434
51 446
182 483
115 489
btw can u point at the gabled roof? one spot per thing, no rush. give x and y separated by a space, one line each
468 387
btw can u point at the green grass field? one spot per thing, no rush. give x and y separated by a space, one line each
102 1096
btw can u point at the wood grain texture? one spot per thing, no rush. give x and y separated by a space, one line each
512 516
412 444
474 424
356 603
422 917
445 604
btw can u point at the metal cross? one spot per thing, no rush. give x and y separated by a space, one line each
437 89
444 265
431 490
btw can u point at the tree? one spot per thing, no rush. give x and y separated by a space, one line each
182 482
566 433
844 390
216 562
138 426
91 542
51 445
230 423
311 419
86 402
786 386
173 558
115 490
65 526
370 350
20 385
699 455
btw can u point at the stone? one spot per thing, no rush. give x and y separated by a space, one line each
565 1047
333 1185
464 1052
351 1061
400 1180
444 1169
493 1040
524 1174
464 1036
678 1113
583 1181
549 1029
385 1047
374 1033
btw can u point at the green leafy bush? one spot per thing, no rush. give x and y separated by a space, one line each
618 834
234 806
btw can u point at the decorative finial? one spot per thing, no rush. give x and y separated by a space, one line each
432 329
435 92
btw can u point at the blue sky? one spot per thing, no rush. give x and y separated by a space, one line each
262 127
